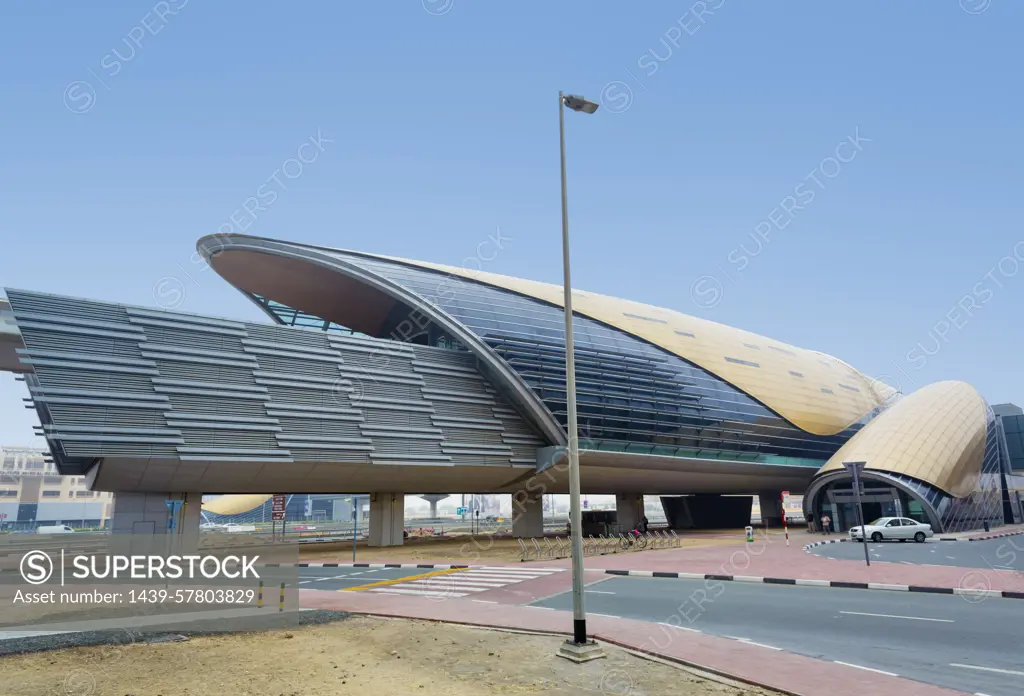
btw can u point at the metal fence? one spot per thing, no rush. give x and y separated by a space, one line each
533 549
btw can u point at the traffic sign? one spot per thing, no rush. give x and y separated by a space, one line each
277 508
461 511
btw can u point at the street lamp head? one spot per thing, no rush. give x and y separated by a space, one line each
577 103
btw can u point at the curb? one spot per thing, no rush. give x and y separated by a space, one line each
976 538
597 635
365 565
969 592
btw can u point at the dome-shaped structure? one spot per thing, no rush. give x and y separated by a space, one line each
938 450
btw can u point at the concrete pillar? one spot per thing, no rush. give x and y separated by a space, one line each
629 510
771 508
145 514
527 516
387 519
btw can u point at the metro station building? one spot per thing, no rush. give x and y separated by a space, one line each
385 376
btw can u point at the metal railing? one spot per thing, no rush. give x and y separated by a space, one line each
530 549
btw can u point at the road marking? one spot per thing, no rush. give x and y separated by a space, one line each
598 592
987 669
420 593
607 616
544 608
868 669
896 616
681 628
483 601
750 642
950 558
335 578
527 569
398 581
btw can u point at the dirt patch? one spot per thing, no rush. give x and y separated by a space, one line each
360 656
458 549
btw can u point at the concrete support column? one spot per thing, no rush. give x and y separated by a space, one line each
434 499
771 508
149 514
387 519
629 510
527 516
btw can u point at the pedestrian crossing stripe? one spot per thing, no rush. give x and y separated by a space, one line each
458 582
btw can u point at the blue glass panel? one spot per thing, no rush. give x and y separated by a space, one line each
629 391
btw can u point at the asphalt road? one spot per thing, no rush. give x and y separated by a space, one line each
971 645
344 578
1000 554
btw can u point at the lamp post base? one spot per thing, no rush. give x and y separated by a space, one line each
580 653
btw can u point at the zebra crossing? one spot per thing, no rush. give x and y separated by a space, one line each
464 583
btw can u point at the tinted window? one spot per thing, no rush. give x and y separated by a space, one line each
741 362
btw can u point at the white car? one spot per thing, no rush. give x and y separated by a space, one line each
901 528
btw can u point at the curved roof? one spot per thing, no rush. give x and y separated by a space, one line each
936 435
815 392
235 504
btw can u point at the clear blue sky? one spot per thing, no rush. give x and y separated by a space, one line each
443 117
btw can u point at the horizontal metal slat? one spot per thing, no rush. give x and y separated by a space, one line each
174 323
25 326
90 367
171 382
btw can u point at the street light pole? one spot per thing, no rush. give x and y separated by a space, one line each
579 650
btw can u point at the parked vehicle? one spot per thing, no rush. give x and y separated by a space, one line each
55 529
899 528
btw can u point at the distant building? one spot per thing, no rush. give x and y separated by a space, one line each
33 493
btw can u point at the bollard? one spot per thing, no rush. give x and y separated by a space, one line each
750 535
281 606
259 596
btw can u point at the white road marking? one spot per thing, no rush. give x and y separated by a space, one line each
951 558
681 628
607 616
334 578
987 669
421 593
867 669
598 592
527 569
750 642
483 601
544 608
502 578
896 616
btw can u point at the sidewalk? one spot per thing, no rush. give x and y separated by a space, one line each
771 558
786 672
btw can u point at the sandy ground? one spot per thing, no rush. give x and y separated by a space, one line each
359 655
461 549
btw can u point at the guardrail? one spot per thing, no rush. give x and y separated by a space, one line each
531 549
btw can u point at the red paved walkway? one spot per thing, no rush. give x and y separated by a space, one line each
789 673
771 558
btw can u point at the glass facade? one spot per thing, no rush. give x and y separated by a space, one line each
631 395
1014 428
294 317
911 497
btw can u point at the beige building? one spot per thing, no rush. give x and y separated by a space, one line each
33 493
